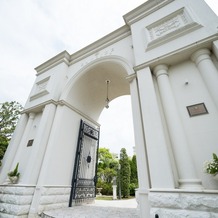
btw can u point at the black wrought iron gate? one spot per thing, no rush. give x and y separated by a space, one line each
85 167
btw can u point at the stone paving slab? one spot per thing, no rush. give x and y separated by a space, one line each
102 209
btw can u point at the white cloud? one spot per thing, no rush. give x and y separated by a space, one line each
117 126
33 31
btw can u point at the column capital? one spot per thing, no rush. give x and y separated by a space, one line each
200 55
161 69
131 77
31 115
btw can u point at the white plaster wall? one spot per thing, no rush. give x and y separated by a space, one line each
24 155
55 79
59 159
13 147
122 48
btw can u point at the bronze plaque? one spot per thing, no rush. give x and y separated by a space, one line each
30 143
197 109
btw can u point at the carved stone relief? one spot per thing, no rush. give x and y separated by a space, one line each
97 55
171 26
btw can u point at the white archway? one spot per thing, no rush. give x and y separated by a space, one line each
86 91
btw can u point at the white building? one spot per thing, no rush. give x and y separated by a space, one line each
166 58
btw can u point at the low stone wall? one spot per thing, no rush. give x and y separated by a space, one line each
15 200
177 204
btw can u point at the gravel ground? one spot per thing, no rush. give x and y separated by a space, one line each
101 209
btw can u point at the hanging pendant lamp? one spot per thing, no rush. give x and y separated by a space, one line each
107 99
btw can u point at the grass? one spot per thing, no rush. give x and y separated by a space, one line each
108 197
104 197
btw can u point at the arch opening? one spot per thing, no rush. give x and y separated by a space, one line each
117 126
89 90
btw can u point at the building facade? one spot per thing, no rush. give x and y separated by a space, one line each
166 58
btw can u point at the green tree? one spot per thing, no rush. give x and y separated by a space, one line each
104 157
124 173
107 170
9 115
134 175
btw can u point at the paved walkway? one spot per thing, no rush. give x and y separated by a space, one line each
101 209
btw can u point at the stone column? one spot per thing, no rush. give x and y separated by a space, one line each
142 161
39 146
187 174
13 147
22 145
114 188
114 192
161 172
208 72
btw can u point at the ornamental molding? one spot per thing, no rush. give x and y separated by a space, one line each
40 89
71 107
63 57
144 10
39 95
170 27
186 51
40 107
41 85
94 48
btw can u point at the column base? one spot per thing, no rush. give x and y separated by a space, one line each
190 184
49 198
15 200
143 202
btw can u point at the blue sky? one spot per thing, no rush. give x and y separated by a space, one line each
33 31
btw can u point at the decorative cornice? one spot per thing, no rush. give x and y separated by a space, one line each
96 46
39 107
38 95
144 10
100 44
131 77
61 57
64 103
188 50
